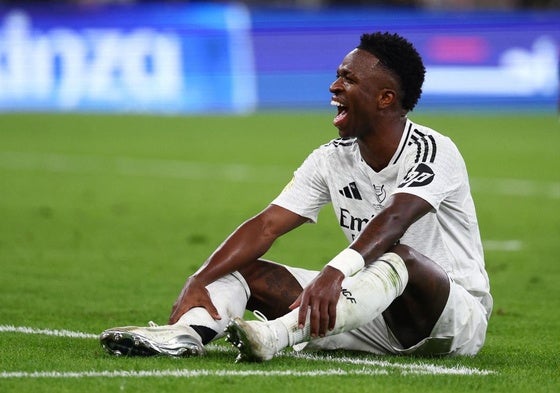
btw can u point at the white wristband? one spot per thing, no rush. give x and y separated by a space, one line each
348 261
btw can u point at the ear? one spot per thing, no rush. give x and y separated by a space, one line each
387 97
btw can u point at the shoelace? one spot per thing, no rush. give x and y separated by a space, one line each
260 316
152 324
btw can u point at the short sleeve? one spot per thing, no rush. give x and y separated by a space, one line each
307 192
435 177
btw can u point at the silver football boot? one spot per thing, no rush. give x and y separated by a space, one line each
169 340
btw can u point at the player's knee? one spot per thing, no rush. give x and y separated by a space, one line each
421 269
407 254
416 263
252 272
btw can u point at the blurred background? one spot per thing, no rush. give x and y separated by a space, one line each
185 57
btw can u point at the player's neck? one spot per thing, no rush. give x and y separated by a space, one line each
378 147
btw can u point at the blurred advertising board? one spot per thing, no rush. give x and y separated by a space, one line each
149 58
226 58
474 60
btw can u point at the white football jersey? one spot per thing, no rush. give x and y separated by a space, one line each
426 164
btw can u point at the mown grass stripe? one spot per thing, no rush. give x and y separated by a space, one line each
162 168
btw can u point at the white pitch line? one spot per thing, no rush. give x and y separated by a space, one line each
185 373
46 332
414 368
502 245
516 187
405 369
127 166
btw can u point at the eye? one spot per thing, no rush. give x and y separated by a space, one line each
346 77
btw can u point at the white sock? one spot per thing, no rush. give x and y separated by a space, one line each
282 333
229 295
364 297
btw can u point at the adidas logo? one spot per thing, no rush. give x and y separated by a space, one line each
351 191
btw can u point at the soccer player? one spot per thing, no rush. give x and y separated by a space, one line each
412 280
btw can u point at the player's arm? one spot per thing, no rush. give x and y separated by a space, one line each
379 235
385 229
247 243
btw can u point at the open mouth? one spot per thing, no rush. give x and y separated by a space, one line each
342 112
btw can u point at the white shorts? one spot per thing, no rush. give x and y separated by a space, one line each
460 329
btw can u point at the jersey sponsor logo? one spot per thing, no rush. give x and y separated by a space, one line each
418 176
351 192
348 221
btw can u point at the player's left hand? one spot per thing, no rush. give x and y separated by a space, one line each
193 294
320 298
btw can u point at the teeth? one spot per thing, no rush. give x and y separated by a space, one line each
335 103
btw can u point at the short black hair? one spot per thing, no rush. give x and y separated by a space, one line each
399 56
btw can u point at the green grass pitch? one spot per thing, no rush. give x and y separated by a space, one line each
103 217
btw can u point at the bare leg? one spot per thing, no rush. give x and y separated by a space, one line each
273 288
412 316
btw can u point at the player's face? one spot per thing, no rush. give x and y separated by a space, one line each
355 93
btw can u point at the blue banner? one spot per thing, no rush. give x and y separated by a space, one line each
474 59
150 58
226 58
